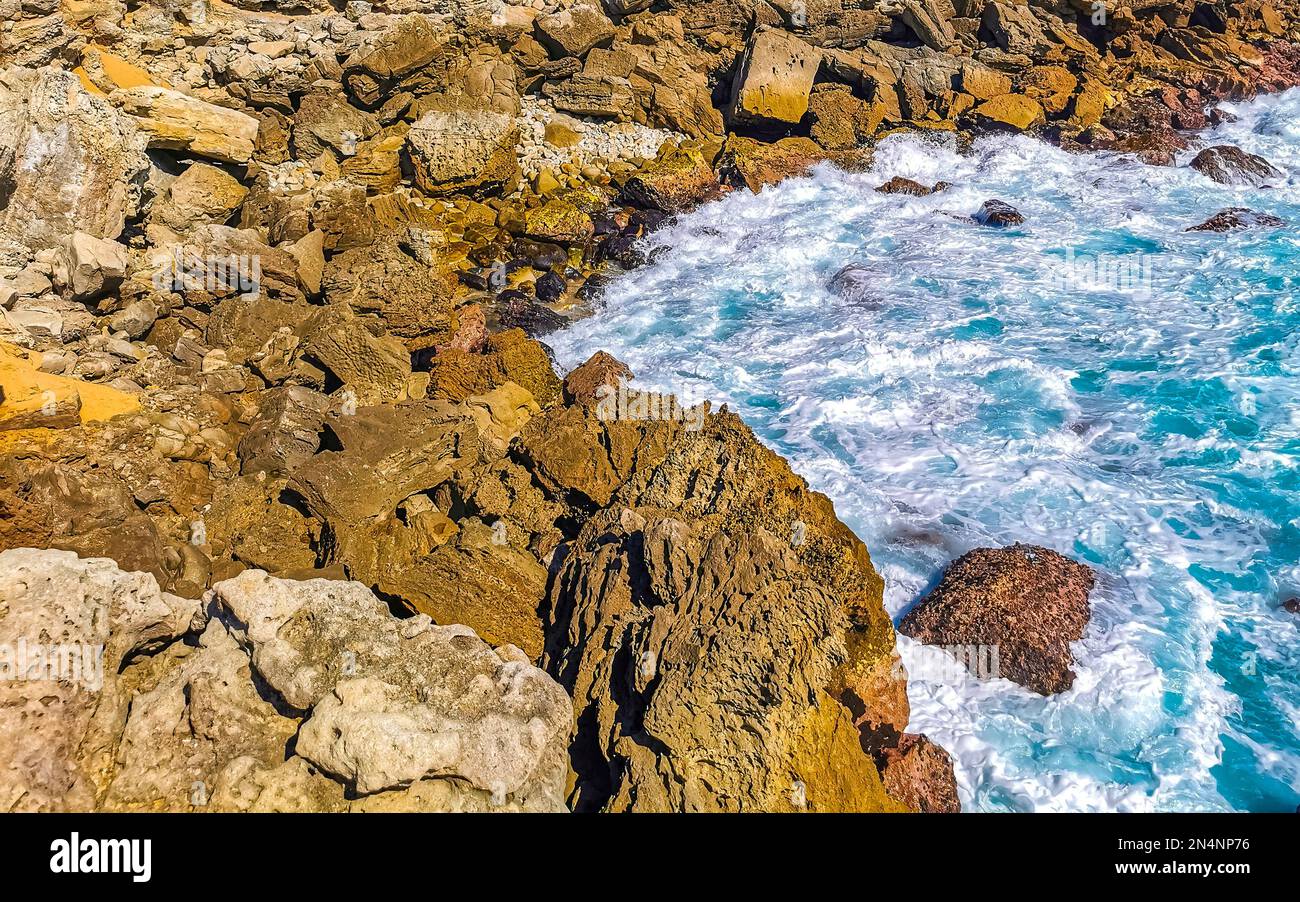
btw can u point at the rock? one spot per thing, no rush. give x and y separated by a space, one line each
841 121
1230 165
175 121
775 78
665 602
1015 110
286 431
79 622
982 82
373 368
309 252
574 31
900 185
464 151
929 21
919 774
404 47
1291 605
557 222
1015 28
519 311
856 284
68 160
679 179
90 267
199 195
1027 603
326 121
998 214
412 299
752 164
601 371
1238 218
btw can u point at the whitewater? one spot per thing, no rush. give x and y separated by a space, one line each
997 386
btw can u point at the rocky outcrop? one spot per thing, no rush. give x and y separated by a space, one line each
463 151
1234 218
174 121
1028 603
383 714
774 80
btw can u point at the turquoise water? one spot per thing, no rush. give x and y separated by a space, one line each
984 391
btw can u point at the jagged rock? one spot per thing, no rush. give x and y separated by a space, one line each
175 121
998 214
1016 28
286 431
1230 165
200 195
412 299
601 371
325 120
840 120
406 46
374 368
752 164
574 31
676 181
74 624
472 151
1238 218
89 267
1028 603
69 162
665 602
774 80
919 774
930 21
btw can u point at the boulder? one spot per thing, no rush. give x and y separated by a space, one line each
1230 165
998 214
574 31
1027 603
752 164
930 21
404 47
469 151
774 80
176 121
900 185
679 179
199 195
69 162
412 299
89 267
1014 110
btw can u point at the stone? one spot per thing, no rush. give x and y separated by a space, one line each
285 432
574 31
1233 218
201 194
412 299
175 121
1230 165
405 46
1027 603
745 162
68 160
919 774
900 185
325 121
1014 110
775 78
373 368
464 152
998 214
601 371
89 267
929 21
676 181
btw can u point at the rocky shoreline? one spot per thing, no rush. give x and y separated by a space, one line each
272 280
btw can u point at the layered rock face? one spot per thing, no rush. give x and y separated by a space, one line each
270 286
268 695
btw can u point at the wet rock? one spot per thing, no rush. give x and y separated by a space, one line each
68 160
519 311
752 164
550 288
1291 605
176 121
1238 218
538 254
998 214
900 185
919 774
1028 603
676 181
1230 165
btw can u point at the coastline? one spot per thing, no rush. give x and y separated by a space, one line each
382 435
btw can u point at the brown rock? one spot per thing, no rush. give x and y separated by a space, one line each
1230 165
1028 603
919 774
774 80
1238 218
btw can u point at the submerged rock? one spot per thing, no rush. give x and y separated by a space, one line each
1237 218
1027 603
900 185
1230 165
